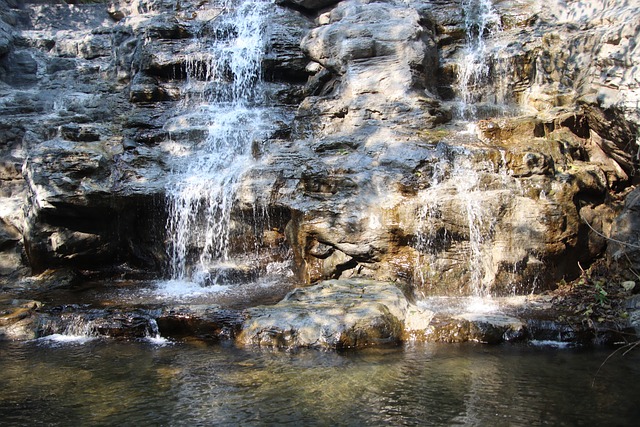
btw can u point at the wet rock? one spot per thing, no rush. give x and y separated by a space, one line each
308 4
147 89
623 250
203 322
486 328
633 308
285 60
6 37
548 328
18 319
87 322
334 314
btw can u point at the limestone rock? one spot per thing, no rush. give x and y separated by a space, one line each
285 60
365 168
19 320
334 314
486 328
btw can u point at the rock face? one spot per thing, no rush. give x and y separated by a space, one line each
392 189
370 175
62 135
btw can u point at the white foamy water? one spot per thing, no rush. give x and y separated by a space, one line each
458 305
153 335
60 339
180 289
158 341
551 343
480 18
478 305
225 101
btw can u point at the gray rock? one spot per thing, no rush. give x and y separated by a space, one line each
335 314
623 248
285 60
6 38
19 68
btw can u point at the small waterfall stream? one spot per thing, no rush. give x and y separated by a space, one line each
460 181
459 184
480 19
225 101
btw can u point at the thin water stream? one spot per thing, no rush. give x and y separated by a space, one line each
139 383
480 20
224 99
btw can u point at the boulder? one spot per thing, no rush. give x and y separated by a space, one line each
335 314
491 328
19 320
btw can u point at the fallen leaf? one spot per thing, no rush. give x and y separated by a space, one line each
628 285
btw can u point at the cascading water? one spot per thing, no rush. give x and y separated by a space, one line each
225 102
70 328
473 69
458 181
456 186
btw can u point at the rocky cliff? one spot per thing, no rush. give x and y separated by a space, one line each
371 169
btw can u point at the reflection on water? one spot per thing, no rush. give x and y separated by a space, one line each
137 383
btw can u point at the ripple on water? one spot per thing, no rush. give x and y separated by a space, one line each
114 383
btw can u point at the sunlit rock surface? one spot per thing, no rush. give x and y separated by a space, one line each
335 314
371 174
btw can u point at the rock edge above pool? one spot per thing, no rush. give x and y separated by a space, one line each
333 314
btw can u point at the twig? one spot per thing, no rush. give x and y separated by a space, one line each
631 347
607 238
631 269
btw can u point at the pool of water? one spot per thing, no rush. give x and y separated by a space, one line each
108 382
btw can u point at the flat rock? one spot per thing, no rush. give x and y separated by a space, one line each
334 314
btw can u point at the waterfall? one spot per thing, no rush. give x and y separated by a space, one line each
225 102
152 334
480 18
69 328
458 182
458 186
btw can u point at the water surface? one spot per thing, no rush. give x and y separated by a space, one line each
108 382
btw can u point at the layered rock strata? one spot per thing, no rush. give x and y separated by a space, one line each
370 175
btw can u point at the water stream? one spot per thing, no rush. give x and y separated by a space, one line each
224 101
460 181
480 20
